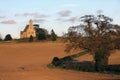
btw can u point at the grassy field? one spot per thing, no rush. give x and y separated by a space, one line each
28 61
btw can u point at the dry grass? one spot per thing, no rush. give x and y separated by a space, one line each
28 61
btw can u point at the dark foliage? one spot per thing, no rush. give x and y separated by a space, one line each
8 37
53 35
79 66
41 36
41 33
69 63
113 68
31 39
56 61
88 66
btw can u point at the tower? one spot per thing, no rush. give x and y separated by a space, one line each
28 31
31 23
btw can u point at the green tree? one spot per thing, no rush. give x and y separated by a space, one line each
94 34
31 39
53 35
8 37
41 33
41 36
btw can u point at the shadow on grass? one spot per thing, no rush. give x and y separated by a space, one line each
68 62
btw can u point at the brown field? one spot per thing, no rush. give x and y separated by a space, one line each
28 61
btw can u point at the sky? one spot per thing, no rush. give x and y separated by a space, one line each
52 14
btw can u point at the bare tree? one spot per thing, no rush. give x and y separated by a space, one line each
94 34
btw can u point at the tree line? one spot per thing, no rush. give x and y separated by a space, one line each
41 34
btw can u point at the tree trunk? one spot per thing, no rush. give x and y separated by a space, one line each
101 59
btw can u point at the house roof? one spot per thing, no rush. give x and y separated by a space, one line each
26 28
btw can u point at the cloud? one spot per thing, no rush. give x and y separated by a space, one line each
71 19
65 13
26 14
41 16
39 20
9 22
70 5
36 15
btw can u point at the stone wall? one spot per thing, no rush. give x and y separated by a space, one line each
28 31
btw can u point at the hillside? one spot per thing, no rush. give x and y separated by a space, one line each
28 61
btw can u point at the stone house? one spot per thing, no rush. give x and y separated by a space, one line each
28 31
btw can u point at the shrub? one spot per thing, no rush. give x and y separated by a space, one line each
56 61
8 37
31 39
113 68
41 36
79 66
68 62
53 35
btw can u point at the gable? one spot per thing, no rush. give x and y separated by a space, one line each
27 26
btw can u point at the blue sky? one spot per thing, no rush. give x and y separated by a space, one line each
51 14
